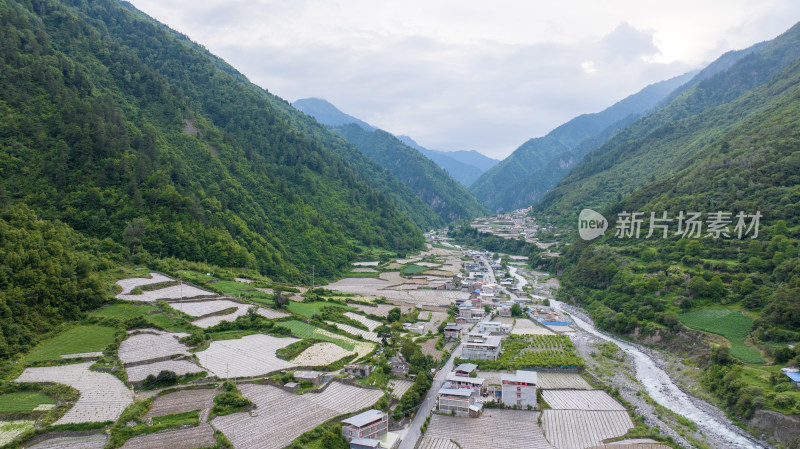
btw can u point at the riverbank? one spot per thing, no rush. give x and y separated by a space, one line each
641 375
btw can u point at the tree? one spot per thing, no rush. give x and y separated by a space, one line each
134 233
383 332
394 315
516 311
280 300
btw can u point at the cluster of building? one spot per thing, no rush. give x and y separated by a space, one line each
512 225
465 392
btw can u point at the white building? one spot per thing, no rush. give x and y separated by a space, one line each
520 388
481 347
455 400
459 382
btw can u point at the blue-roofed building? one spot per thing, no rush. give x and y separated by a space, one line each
793 374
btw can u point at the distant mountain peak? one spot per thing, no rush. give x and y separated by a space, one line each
328 114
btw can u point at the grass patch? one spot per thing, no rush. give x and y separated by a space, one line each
123 311
413 269
88 338
734 326
302 330
309 309
361 274
24 401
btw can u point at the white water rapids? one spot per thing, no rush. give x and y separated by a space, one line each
661 388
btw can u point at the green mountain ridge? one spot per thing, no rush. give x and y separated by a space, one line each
537 165
124 129
434 186
449 199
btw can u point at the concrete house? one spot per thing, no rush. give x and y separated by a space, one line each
452 331
371 424
313 377
481 347
520 388
359 370
455 400
460 382
465 369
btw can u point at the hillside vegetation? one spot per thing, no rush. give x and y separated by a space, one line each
123 129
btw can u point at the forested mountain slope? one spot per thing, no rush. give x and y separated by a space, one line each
449 199
113 122
538 164
659 144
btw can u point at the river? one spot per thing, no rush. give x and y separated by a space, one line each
660 387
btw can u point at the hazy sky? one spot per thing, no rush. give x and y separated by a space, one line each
464 74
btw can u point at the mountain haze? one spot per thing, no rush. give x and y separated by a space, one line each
433 185
536 166
464 166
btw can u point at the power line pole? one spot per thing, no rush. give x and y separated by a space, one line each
313 280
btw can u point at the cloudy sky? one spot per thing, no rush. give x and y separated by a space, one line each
465 74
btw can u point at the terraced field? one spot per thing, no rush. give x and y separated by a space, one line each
399 387
123 311
150 344
24 401
321 354
103 396
12 429
131 283
248 356
189 438
732 325
182 401
292 414
96 441
436 443
371 324
366 335
200 308
180 367
581 400
213 320
578 429
496 429
562 381
184 291
80 339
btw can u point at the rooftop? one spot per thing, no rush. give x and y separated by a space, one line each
452 377
306 374
362 419
366 442
466 367
521 376
464 392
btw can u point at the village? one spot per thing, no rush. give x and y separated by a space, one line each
451 348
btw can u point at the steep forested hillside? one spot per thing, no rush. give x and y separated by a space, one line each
538 164
464 166
439 193
741 156
449 199
123 129
659 144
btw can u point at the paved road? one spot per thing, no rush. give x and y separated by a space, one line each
412 433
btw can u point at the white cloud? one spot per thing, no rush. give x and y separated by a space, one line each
457 74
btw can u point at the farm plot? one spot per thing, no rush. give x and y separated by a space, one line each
213 320
151 344
245 357
180 367
96 441
79 339
201 308
435 320
189 438
371 324
496 428
399 387
182 401
123 311
271 314
577 429
366 335
734 326
524 326
24 401
580 400
12 429
379 309
562 381
424 315
103 396
436 443
393 277
131 283
559 329
321 354
292 414
184 291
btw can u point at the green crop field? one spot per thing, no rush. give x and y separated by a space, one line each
303 330
123 311
308 309
734 326
24 401
87 338
413 269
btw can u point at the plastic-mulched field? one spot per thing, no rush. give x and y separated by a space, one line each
730 324
577 429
